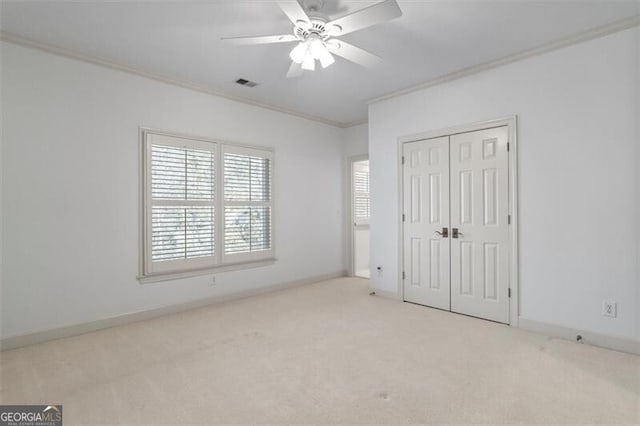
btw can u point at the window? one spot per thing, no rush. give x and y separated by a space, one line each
247 202
199 217
361 205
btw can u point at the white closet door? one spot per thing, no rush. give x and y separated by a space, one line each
479 211
426 209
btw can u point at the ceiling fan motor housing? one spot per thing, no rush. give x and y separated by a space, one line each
304 30
316 27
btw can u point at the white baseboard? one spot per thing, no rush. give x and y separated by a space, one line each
87 327
384 293
595 339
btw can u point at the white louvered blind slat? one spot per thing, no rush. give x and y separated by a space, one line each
185 231
247 197
361 180
361 194
362 207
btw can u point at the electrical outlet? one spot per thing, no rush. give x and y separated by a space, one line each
609 308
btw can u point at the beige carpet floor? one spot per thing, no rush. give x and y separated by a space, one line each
322 353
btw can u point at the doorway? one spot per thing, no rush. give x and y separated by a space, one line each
457 223
359 220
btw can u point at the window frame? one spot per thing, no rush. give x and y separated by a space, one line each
359 220
159 271
250 256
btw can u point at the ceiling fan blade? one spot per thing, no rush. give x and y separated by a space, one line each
295 70
261 39
372 15
294 11
353 53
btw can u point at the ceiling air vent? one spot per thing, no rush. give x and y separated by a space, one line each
244 82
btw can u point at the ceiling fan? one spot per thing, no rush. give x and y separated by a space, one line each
316 35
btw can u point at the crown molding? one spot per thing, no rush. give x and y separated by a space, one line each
602 31
186 84
614 27
355 123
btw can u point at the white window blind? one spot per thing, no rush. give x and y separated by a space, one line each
247 203
184 214
361 203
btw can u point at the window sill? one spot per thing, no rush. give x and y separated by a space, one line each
167 276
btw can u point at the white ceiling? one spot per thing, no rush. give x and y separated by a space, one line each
181 40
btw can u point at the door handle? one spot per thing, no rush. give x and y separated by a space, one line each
455 233
444 233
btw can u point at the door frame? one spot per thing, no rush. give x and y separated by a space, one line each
351 267
511 122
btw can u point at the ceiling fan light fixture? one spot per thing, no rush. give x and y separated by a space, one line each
318 50
299 53
309 63
326 59
316 47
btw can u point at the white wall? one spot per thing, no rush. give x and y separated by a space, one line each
70 193
578 175
356 140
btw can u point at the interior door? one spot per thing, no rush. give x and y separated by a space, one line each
479 214
361 212
426 207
